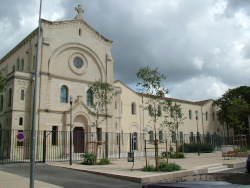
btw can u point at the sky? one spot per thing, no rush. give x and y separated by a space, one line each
202 46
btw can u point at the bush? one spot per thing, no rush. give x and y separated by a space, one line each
193 147
88 159
148 168
104 161
169 167
177 155
164 154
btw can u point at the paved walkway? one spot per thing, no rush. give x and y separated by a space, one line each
192 164
120 168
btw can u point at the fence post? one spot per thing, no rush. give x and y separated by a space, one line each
44 146
119 137
106 146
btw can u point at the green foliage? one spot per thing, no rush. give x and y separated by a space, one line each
149 168
164 154
177 155
2 83
243 149
102 96
234 108
193 147
104 161
169 167
150 83
88 159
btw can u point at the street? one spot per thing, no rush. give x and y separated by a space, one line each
65 177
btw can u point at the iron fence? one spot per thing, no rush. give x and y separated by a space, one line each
54 145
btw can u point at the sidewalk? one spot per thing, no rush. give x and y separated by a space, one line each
191 165
8 180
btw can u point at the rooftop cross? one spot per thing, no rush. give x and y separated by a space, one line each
80 11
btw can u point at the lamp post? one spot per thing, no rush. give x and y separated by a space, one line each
70 136
197 135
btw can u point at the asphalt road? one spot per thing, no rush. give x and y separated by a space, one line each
67 178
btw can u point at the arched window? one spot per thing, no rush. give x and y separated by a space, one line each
21 121
22 95
80 32
190 114
89 97
22 65
133 108
172 112
64 94
10 97
206 116
17 64
1 103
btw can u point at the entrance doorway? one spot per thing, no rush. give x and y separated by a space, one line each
78 140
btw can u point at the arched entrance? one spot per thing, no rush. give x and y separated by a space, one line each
78 140
80 124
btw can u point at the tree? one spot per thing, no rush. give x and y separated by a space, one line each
100 95
177 118
234 108
151 84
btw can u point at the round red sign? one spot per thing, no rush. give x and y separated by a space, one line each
20 136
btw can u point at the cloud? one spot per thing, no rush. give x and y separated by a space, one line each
188 41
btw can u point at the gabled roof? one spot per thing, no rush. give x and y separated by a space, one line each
200 103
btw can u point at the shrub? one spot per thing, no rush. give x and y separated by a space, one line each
164 154
177 155
104 161
148 168
193 147
88 159
169 167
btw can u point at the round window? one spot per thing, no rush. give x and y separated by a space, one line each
78 62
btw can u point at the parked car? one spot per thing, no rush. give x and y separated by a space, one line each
248 164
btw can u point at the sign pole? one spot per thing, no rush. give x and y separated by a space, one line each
33 133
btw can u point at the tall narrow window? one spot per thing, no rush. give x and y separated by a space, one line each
17 64
99 135
89 98
13 68
21 121
80 32
121 107
64 94
151 135
172 112
54 135
213 116
1 103
115 104
181 136
150 109
190 114
173 137
160 136
196 115
159 111
206 116
10 97
133 108
22 65
22 95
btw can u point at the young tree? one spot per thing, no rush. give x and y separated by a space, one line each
100 95
151 84
177 118
233 108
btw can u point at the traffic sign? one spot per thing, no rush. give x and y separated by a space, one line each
20 137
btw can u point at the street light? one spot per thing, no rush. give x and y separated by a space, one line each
70 134
197 134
